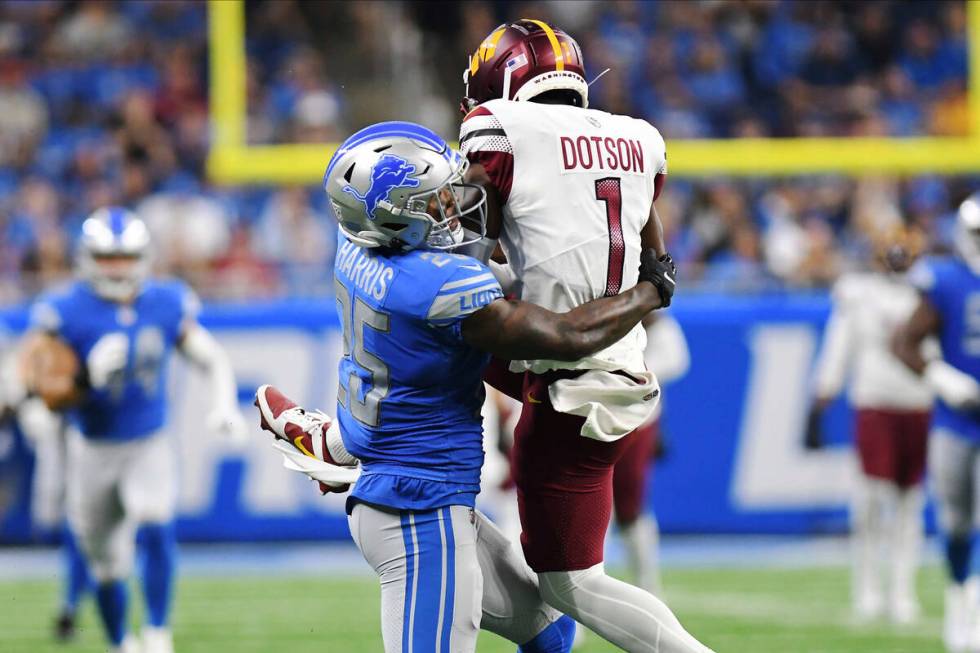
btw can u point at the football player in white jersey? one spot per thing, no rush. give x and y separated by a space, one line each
891 425
571 196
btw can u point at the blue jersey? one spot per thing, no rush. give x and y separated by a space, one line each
953 289
133 404
410 388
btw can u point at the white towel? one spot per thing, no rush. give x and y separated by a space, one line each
613 405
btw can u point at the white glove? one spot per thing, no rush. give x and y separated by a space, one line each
107 359
228 422
36 421
959 390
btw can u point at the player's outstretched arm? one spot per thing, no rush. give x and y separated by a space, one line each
959 390
200 347
512 329
908 338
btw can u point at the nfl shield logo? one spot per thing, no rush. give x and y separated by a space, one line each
517 62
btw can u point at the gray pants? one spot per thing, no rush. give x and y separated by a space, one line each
113 488
444 574
954 477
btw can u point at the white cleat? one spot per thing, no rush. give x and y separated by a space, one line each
157 640
956 619
904 611
868 607
129 645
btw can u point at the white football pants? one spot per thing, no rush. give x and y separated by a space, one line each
444 574
627 616
113 488
48 485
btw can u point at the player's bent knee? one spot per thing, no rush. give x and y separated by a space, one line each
559 588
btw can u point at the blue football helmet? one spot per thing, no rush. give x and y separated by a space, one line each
399 185
967 233
114 253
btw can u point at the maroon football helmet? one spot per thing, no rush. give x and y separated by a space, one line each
521 60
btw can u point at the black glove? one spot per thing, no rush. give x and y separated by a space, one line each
660 272
813 438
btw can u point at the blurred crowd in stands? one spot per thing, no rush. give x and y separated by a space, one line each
106 102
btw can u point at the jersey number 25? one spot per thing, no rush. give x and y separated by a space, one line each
368 410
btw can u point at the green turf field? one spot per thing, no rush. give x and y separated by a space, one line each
736 611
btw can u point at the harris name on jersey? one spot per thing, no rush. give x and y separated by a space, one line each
592 153
369 273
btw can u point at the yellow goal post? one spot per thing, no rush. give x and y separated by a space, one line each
231 160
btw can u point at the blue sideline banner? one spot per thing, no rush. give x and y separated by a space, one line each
733 424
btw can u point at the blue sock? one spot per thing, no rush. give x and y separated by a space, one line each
159 566
111 597
556 638
958 551
78 582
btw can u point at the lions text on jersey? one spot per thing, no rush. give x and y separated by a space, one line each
953 289
132 404
410 388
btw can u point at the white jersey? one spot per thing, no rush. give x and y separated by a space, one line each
577 186
857 343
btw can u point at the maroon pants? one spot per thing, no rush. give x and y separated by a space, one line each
564 482
892 444
632 471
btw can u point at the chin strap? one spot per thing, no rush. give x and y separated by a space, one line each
480 248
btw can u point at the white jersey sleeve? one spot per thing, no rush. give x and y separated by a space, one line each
857 345
838 341
577 186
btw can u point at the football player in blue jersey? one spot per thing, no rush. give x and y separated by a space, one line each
419 325
121 329
949 309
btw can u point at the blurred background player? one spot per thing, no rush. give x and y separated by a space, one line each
419 325
572 226
891 425
949 308
122 328
668 358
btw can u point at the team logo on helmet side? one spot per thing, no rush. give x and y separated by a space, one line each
388 173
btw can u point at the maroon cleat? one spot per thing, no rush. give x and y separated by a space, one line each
305 431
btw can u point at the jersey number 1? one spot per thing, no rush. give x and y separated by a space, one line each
608 190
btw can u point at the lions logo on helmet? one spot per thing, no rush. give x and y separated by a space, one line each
399 185
113 253
388 173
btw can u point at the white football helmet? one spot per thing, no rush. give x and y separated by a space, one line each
967 233
400 185
114 253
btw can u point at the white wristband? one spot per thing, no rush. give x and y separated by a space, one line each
956 388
